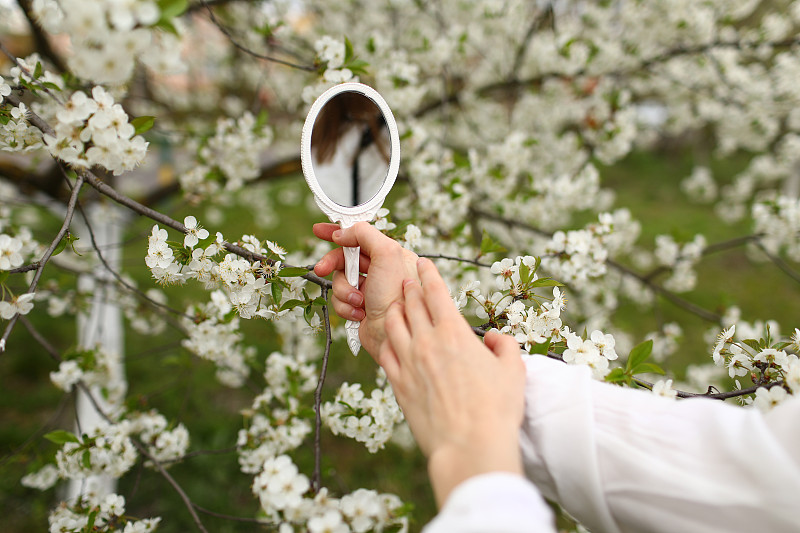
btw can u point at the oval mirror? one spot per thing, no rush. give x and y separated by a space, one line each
350 148
350 153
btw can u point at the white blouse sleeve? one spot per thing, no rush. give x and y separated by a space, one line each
624 460
494 503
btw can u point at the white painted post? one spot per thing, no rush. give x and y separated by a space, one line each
100 327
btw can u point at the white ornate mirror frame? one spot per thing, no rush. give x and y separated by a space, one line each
344 215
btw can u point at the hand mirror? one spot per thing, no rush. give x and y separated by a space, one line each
350 153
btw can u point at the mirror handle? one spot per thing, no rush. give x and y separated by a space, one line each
351 260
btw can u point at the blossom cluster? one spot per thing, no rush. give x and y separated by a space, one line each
765 362
93 367
107 39
217 339
229 159
105 449
163 444
95 131
578 255
101 513
276 425
681 260
370 420
282 490
779 223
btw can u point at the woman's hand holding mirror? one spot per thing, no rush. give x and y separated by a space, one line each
350 153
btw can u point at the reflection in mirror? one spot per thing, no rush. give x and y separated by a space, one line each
350 148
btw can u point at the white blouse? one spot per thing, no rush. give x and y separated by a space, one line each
624 460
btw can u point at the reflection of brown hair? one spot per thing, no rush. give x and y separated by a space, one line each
342 112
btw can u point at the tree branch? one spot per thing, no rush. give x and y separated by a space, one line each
316 480
46 257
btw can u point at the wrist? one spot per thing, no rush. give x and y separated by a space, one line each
453 463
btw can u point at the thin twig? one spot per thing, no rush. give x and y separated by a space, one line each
73 199
24 268
143 450
246 50
669 295
119 278
229 517
714 396
316 479
454 258
38 337
780 263
27 72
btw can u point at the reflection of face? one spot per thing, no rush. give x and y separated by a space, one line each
350 148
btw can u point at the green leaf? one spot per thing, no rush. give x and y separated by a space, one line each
639 354
546 282
319 300
172 8
167 26
3 276
358 66
291 304
291 272
61 436
754 344
348 50
87 459
648 368
142 124
541 349
616 375
276 292
489 246
60 247
308 313
52 86
38 70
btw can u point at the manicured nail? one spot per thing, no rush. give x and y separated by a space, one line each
337 234
355 299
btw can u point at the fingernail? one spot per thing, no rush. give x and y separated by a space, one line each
355 299
358 314
337 234
421 261
407 282
319 264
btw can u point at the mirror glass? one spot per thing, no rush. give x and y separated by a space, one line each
350 148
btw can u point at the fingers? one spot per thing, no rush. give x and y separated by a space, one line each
348 302
437 297
388 360
397 333
334 260
416 310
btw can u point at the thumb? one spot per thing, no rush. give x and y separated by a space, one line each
371 241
